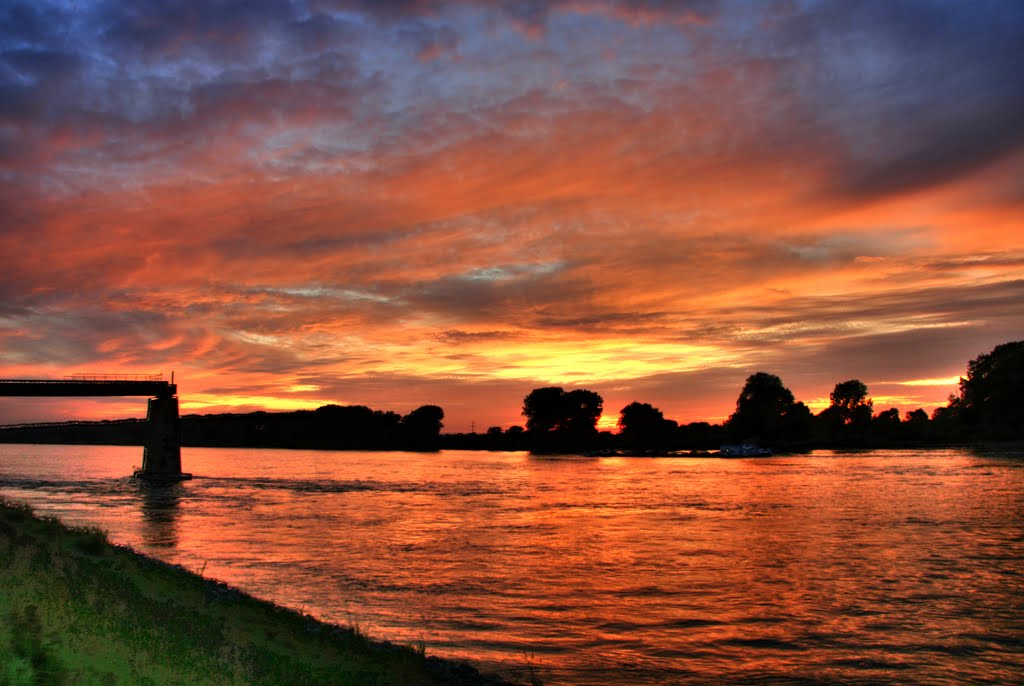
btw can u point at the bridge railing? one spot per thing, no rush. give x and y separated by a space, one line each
87 387
114 377
72 422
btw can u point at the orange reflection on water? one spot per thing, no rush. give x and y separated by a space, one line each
887 567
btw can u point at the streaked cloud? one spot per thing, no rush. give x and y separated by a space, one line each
952 381
384 203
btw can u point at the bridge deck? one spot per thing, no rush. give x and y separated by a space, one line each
80 388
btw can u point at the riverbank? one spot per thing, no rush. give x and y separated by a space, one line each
75 608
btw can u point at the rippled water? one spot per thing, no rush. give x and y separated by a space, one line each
883 567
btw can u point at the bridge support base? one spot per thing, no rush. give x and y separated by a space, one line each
161 456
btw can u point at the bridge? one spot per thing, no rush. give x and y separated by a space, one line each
161 454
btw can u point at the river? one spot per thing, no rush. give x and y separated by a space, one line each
895 567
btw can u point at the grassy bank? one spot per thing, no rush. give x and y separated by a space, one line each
75 609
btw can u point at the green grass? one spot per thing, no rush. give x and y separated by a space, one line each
75 609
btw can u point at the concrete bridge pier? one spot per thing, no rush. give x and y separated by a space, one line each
161 455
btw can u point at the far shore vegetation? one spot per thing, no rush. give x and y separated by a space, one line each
988 408
76 609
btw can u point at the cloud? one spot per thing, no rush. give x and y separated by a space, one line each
533 14
922 94
40 65
457 337
161 28
407 197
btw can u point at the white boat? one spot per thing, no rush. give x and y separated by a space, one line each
744 450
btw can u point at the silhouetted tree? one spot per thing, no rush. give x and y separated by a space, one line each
335 426
849 416
830 423
332 427
946 423
886 425
561 421
543 409
890 416
850 398
700 436
915 416
644 427
492 439
582 409
915 425
422 427
760 408
515 438
992 393
797 423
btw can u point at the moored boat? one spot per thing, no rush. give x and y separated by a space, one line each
744 450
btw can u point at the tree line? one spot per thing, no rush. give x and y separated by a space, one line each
331 427
989 406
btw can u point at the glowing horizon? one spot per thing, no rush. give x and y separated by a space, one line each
398 204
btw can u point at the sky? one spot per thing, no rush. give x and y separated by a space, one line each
409 202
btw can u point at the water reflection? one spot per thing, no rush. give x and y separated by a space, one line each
872 567
160 505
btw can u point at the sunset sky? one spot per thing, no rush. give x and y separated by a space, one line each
397 203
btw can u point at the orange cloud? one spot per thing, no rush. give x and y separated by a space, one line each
429 206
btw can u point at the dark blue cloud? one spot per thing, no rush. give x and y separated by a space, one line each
36 65
167 27
528 13
908 94
921 92
29 22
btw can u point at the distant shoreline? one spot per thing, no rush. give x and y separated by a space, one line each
768 418
36 434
